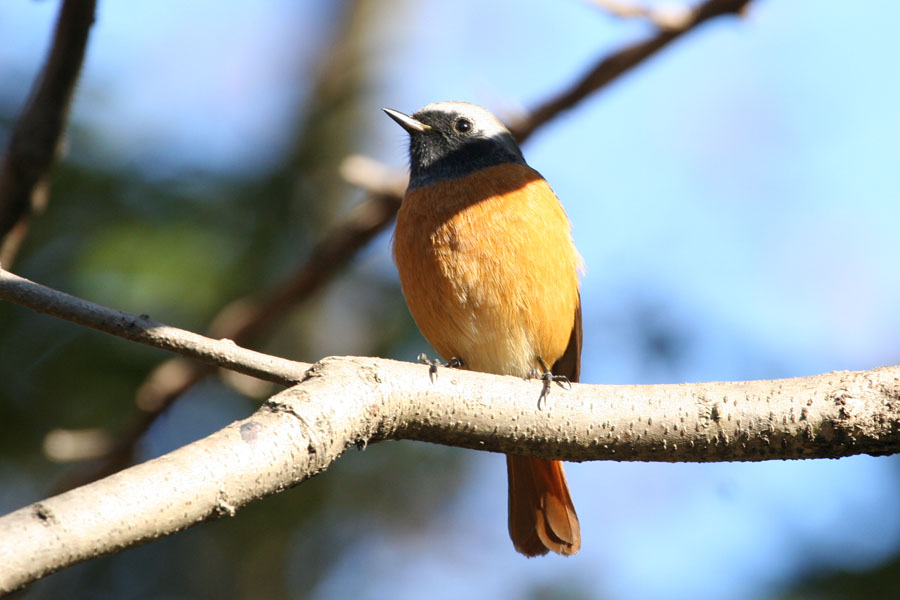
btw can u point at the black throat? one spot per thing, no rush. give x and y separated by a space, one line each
435 157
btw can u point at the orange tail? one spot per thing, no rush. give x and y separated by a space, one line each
541 514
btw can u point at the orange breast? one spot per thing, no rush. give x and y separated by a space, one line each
489 269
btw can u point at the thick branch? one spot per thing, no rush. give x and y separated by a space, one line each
36 135
344 402
141 328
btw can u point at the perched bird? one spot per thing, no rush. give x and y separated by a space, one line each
490 274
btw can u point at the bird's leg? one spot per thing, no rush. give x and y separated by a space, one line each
453 363
547 377
432 365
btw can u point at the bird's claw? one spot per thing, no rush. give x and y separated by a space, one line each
547 377
453 363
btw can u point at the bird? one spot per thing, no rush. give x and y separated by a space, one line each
489 270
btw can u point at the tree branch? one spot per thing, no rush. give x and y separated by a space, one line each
611 67
36 135
142 329
345 402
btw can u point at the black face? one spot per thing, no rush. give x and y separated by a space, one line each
454 147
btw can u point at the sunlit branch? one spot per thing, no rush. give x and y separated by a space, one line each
352 402
142 329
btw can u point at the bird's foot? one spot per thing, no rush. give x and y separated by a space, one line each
548 378
453 363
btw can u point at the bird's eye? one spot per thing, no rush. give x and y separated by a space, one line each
463 126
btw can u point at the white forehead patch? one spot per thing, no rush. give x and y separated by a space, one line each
485 122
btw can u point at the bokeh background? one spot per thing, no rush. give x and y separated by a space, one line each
736 200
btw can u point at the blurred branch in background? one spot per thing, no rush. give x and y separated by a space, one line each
611 67
37 134
664 16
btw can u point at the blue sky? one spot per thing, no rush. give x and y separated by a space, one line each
744 183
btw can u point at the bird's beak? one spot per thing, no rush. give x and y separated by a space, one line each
407 122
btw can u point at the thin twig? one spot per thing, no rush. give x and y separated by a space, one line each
141 328
32 148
